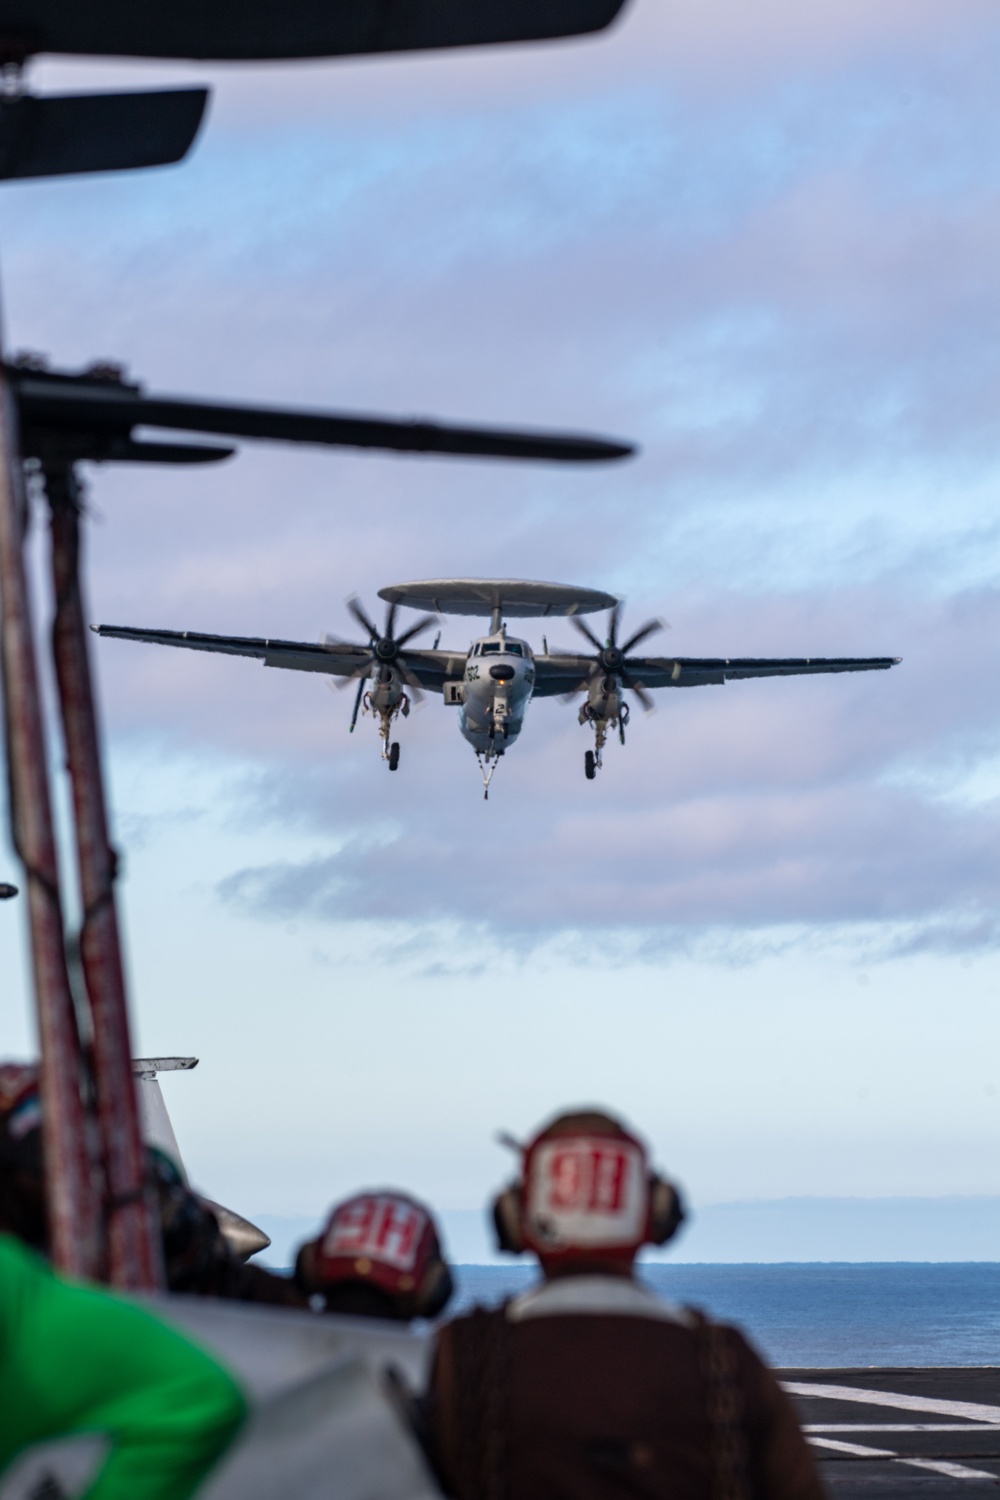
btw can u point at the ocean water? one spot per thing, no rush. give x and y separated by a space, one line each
885 1313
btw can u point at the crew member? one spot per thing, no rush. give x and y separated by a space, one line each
77 1359
589 1385
196 1256
22 1175
379 1256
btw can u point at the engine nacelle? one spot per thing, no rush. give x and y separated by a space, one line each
604 700
386 691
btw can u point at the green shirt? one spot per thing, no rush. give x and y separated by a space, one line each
78 1359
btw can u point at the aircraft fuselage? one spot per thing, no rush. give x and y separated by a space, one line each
499 682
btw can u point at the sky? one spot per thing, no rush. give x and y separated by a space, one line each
760 243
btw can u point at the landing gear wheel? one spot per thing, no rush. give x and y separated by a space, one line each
589 765
394 755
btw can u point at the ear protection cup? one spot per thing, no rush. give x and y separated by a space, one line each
305 1277
507 1219
666 1210
435 1291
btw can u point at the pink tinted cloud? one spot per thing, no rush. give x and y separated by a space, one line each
821 858
696 45
771 270
813 728
818 801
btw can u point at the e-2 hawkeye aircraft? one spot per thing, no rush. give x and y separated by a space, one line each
493 682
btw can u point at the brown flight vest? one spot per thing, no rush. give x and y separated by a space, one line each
605 1406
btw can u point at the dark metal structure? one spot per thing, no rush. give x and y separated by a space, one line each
54 421
63 134
102 1220
74 1209
133 1249
92 414
262 29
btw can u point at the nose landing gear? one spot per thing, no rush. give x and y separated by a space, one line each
487 766
394 755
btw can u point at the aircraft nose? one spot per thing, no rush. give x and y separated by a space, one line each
502 672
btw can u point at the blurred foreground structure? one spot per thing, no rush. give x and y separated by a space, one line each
101 1210
321 1406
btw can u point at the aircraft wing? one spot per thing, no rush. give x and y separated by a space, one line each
562 674
336 658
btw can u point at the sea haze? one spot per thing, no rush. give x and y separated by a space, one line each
824 1316
956 1228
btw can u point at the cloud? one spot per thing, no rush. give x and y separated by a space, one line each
793 805
716 862
763 244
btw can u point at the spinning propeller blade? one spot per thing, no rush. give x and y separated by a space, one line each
640 692
355 606
614 660
424 624
585 630
386 651
362 670
413 683
650 628
357 705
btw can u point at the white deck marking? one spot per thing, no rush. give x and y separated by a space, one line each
899 1427
945 1466
855 1448
936 1465
971 1409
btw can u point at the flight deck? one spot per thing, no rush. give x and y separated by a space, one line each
929 1433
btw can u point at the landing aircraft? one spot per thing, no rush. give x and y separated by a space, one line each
493 682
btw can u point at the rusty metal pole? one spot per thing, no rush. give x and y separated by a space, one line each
134 1255
73 1205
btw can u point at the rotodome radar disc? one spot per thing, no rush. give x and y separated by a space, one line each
516 598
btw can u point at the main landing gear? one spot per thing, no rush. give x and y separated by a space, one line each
593 759
385 713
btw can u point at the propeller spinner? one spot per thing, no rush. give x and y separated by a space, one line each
612 659
613 670
386 662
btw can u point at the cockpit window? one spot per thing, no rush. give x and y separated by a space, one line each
491 648
513 649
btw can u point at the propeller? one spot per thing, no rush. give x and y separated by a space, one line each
386 650
612 658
